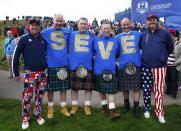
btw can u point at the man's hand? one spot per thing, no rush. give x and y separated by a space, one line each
17 78
16 41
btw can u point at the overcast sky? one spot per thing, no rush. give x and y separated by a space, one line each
71 9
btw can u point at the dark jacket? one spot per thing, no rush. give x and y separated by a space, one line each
156 47
33 50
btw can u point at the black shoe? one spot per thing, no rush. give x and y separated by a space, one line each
126 107
113 114
104 109
137 113
174 97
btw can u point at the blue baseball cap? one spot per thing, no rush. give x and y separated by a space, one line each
150 16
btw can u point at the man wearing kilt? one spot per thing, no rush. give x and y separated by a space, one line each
57 57
105 49
129 66
80 64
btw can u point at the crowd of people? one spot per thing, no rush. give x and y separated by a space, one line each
21 27
111 58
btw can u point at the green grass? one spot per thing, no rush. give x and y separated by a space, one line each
10 120
4 65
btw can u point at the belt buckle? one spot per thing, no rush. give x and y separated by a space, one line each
130 69
62 73
81 72
107 75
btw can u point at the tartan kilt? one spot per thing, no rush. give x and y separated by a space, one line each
129 82
54 84
86 83
103 86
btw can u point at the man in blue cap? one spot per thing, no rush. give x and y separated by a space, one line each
33 48
156 45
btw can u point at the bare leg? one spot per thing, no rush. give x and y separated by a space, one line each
111 101
74 97
88 96
50 96
126 94
126 101
136 95
63 98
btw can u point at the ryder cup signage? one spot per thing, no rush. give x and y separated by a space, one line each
143 6
162 8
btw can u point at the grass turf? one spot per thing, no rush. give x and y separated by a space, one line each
10 120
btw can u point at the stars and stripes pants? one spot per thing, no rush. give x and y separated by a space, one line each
33 82
155 78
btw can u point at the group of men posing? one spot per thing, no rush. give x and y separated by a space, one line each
59 60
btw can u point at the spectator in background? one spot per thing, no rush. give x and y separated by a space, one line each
97 30
15 31
161 25
89 26
116 28
171 73
134 27
9 46
75 27
45 26
177 52
143 28
27 29
94 23
21 30
4 22
6 28
14 20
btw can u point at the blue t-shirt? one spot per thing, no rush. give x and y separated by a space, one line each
105 49
80 50
9 45
129 51
57 46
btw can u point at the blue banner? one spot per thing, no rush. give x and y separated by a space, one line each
174 21
162 8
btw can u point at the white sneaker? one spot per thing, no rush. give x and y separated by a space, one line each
40 121
161 119
147 114
25 125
